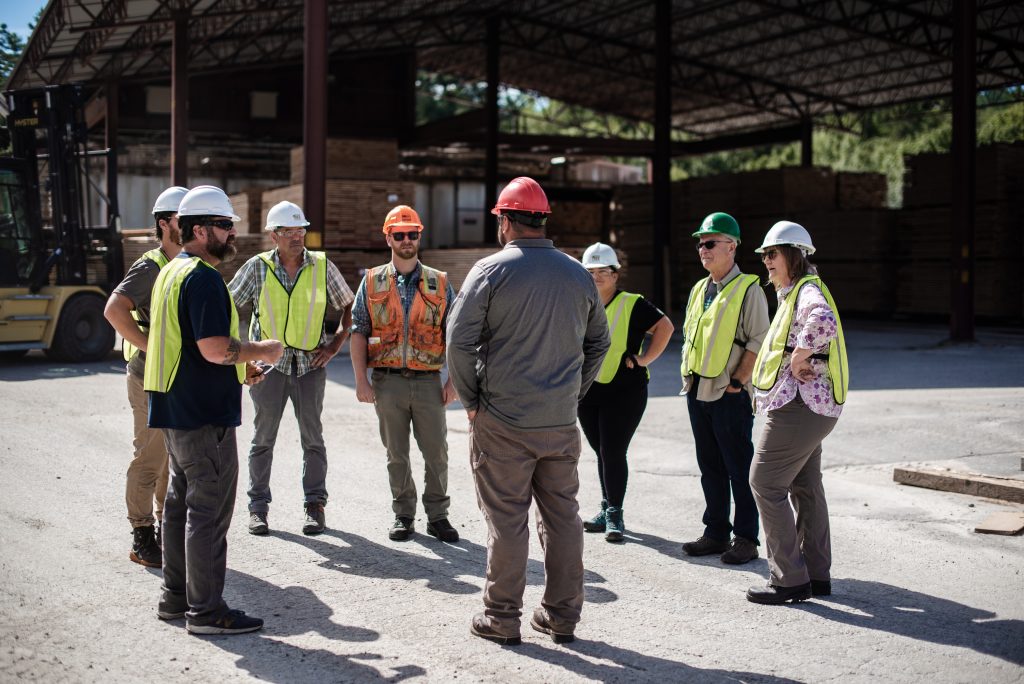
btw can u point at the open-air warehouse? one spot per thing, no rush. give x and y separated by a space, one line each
265 82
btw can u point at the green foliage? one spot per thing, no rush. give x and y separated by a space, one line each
11 47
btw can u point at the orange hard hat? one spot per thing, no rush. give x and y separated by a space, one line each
402 216
522 194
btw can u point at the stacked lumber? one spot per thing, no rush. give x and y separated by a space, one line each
455 262
780 192
861 190
575 223
248 204
248 246
998 172
353 263
352 158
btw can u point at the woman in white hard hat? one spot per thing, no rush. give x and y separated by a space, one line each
613 406
800 380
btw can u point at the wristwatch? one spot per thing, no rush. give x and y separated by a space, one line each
735 384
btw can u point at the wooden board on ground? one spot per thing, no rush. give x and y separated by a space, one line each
1002 522
961 483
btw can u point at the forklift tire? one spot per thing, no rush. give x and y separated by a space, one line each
13 355
83 334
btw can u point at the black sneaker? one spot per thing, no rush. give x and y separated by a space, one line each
443 530
742 551
705 546
231 622
314 522
145 550
401 530
258 524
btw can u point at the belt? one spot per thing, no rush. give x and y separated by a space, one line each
405 372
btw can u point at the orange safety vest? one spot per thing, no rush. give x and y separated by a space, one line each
388 345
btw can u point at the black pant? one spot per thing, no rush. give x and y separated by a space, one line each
609 423
721 435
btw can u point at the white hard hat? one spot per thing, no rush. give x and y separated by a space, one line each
286 215
169 199
207 200
600 254
787 233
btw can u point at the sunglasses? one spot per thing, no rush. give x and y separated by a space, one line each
413 235
709 244
224 224
769 254
290 232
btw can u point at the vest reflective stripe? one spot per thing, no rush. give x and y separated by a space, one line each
619 312
165 327
295 318
129 350
711 334
388 345
769 359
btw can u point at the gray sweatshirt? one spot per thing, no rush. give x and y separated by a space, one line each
526 335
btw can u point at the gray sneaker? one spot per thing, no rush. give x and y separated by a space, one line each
258 524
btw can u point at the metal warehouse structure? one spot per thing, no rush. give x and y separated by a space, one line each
719 74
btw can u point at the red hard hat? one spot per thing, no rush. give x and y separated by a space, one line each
522 194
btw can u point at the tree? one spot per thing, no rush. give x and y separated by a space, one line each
11 47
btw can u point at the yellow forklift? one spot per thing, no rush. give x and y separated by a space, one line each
57 265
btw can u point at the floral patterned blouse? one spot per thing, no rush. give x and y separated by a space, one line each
813 327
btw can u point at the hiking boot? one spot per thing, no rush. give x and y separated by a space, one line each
144 548
772 595
541 623
314 522
481 627
821 587
597 523
705 546
231 622
742 551
443 530
401 530
614 527
258 524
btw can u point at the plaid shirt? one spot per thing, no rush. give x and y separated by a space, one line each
247 286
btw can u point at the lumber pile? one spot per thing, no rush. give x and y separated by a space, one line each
352 158
860 190
576 224
248 204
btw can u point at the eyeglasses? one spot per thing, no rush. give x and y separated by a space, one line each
224 224
290 232
600 271
709 244
413 235
769 254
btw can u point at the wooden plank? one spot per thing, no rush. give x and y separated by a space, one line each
1002 522
961 483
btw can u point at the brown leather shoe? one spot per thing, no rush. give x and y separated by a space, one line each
540 622
481 627
705 546
742 551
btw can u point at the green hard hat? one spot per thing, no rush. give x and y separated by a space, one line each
721 223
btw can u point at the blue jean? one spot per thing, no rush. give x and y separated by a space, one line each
722 437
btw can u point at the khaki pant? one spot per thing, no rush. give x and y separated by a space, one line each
512 467
147 473
416 400
787 467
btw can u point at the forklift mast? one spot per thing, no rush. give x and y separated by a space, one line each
48 132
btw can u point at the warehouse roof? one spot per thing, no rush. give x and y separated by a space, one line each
736 65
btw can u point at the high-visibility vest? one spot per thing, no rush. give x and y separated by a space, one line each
157 256
769 359
388 347
165 342
619 311
710 334
295 318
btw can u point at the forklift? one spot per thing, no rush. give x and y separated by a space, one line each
57 266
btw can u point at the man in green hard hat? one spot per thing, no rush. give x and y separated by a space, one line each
726 321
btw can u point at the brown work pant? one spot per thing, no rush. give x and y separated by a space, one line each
512 467
147 473
787 468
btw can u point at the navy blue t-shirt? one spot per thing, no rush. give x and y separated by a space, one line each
202 393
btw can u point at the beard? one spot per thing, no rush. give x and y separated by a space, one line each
408 251
224 250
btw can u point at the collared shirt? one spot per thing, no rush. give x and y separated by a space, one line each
247 286
407 286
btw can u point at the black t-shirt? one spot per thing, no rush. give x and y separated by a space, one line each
642 319
203 393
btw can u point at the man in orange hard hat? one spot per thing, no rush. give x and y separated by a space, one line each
526 338
398 330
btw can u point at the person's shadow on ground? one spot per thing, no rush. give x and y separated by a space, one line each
674 549
896 610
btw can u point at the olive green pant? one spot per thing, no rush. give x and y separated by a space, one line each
414 401
146 483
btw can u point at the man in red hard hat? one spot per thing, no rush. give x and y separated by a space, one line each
398 330
526 338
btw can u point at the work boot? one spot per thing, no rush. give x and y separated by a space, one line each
614 526
705 546
443 530
542 624
742 551
772 595
258 524
314 522
597 523
144 547
402 529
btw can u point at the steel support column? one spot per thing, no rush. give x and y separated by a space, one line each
314 121
961 320
491 106
662 159
110 126
179 101
807 143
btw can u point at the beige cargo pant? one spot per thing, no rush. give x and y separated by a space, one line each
511 468
146 484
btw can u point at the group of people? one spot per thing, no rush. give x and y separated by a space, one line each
523 382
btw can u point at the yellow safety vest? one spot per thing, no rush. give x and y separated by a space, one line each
618 311
157 256
710 334
295 318
769 359
165 327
